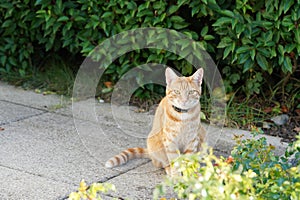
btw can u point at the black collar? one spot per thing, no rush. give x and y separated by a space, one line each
180 110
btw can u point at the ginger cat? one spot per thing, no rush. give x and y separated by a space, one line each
176 126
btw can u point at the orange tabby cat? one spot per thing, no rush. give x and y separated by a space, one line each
176 126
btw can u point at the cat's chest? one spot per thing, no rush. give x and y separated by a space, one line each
183 137
181 133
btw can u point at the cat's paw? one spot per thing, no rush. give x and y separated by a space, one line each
172 172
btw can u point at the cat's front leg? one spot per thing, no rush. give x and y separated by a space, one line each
192 147
172 152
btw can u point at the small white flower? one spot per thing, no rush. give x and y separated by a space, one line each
233 196
237 177
198 185
207 175
203 193
201 179
176 164
221 189
250 173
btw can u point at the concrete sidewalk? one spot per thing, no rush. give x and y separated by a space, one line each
46 152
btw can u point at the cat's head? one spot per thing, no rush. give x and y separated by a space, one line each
183 92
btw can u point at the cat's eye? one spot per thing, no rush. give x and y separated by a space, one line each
193 92
176 91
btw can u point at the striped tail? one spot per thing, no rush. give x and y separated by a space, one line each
126 155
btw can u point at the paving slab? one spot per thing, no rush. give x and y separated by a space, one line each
221 139
49 146
30 98
20 185
138 183
45 152
11 112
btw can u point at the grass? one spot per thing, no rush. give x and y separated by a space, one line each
55 77
242 115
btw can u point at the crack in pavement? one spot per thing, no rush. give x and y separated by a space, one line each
17 119
24 105
43 111
21 118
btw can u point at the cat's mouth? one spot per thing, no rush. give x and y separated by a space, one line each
180 110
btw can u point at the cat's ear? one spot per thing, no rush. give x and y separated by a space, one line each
197 77
170 76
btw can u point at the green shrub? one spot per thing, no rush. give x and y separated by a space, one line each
204 176
276 177
255 43
259 39
251 172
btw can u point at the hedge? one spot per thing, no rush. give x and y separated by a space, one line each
255 43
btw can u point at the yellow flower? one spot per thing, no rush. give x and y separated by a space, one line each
82 186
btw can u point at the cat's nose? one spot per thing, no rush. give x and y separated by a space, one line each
184 101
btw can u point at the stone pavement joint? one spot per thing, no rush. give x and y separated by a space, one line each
20 119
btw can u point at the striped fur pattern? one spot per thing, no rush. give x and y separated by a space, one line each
176 127
126 155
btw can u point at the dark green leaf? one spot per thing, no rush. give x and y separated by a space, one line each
252 53
290 47
281 49
287 65
226 52
7 23
297 36
287 5
131 5
242 49
176 19
222 21
179 26
226 41
204 31
12 61
195 10
79 18
262 61
3 60
227 13
208 37
247 65
105 15
144 13
244 57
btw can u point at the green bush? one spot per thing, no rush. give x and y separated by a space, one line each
256 43
204 176
259 39
276 177
251 172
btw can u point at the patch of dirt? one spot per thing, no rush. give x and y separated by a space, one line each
288 131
